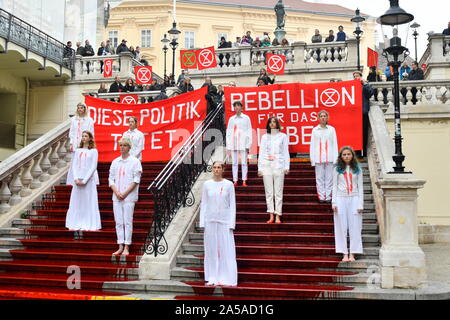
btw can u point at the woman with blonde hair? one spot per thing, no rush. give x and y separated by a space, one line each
83 213
348 204
273 165
80 122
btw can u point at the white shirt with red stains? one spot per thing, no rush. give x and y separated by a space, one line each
348 184
122 173
324 145
239 133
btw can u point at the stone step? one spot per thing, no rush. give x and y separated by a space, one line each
10 243
5 254
12 232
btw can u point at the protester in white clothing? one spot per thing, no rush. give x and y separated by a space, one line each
136 137
124 178
239 142
83 213
80 123
273 165
323 153
218 217
348 204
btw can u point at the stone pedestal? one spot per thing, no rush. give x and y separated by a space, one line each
402 260
280 34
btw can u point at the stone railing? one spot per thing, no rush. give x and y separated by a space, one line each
143 96
437 57
413 92
402 260
31 171
300 56
91 68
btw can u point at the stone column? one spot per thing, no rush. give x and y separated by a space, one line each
402 260
126 65
299 54
352 53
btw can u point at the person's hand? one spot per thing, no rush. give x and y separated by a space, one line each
360 211
119 196
286 172
79 183
335 210
71 148
260 174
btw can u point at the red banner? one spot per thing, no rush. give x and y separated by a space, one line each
372 58
275 63
107 68
297 105
206 58
129 99
143 75
165 124
188 59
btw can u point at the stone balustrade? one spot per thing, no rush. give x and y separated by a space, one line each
143 96
437 57
30 171
413 92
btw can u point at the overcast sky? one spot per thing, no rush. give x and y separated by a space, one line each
432 15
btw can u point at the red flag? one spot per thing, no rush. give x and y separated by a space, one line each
143 75
108 68
129 99
372 58
206 58
188 59
275 63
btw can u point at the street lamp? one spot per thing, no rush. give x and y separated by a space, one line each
165 41
174 32
414 26
394 20
357 21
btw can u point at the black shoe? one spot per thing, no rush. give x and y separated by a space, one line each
75 235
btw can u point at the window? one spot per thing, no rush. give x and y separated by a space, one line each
189 39
220 35
114 38
146 38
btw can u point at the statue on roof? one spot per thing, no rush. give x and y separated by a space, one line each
281 14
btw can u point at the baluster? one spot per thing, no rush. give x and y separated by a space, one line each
69 154
343 54
335 54
438 95
329 55
447 95
308 56
390 97
26 180
15 187
62 152
238 58
5 195
45 165
322 55
289 57
36 173
447 48
233 59
419 95
54 159
428 95
409 96
315 57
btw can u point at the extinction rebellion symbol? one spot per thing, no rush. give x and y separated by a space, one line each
330 97
206 58
189 59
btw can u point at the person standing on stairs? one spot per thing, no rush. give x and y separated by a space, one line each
218 218
83 213
239 141
348 204
78 124
124 178
273 165
323 153
136 137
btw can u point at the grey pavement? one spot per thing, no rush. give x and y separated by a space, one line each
437 257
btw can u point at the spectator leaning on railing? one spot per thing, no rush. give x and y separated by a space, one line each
341 36
122 47
446 32
109 47
116 86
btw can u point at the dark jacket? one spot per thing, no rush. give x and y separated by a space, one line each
88 51
100 51
266 80
129 88
68 52
225 44
341 36
122 48
186 88
373 77
329 38
446 32
416 74
80 51
367 94
161 96
116 87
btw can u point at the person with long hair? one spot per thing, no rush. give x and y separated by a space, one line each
136 137
80 122
129 85
348 204
239 141
323 152
83 213
264 77
124 178
218 218
273 165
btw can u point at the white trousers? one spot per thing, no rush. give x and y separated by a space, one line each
235 157
324 180
273 185
220 255
123 215
348 220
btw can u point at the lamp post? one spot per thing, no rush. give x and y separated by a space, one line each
174 32
165 49
358 20
394 19
414 26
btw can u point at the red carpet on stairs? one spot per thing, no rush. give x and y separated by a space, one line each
40 270
294 260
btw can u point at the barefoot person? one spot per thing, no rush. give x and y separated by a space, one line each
136 137
124 178
239 142
83 213
348 204
218 217
273 165
323 153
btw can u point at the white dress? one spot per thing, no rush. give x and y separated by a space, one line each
77 126
218 217
83 213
